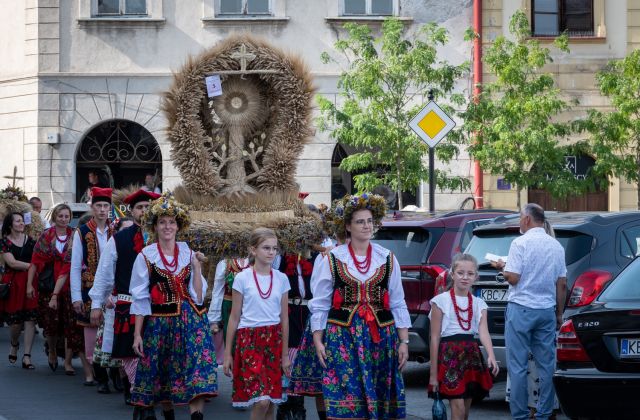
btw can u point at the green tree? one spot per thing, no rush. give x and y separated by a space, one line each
383 80
615 135
515 120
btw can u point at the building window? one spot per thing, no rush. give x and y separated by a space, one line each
554 17
121 7
245 7
368 7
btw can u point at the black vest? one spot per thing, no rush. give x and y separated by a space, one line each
349 294
126 257
294 292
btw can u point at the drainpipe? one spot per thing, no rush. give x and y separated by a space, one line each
477 80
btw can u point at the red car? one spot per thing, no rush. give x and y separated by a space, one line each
424 245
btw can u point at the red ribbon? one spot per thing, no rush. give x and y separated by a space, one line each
366 313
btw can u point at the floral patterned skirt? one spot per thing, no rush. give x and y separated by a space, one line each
60 322
257 366
179 362
306 375
362 379
462 371
104 342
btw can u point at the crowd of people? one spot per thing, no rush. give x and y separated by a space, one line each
129 301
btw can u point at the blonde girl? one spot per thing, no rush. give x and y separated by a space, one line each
259 316
458 370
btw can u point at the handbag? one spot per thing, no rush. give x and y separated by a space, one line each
46 282
438 411
4 290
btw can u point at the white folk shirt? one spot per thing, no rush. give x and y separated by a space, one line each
539 260
105 275
77 260
322 285
450 325
215 308
256 311
139 287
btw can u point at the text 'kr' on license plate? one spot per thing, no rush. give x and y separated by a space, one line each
630 347
493 295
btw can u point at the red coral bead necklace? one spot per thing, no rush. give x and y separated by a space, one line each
465 324
66 239
240 266
263 295
171 267
361 266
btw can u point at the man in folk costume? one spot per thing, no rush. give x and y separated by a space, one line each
298 270
114 276
89 240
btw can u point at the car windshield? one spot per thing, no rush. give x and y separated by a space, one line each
626 286
576 245
408 245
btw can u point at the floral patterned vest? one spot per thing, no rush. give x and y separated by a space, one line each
167 291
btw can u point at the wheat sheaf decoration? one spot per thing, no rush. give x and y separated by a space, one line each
248 139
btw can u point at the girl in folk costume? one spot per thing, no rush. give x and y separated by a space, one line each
220 307
458 371
56 315
177 361
360 320
259 316
20 308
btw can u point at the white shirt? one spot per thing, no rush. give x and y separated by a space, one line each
450 325
139 287
60 245
256 311
322 286
539 259
105 275
215 308
77 261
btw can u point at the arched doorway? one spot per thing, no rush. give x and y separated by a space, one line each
591 201
121 152
342 182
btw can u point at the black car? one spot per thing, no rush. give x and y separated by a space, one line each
598 353
597 246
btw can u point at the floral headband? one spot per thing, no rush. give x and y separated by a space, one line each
342 211
166 205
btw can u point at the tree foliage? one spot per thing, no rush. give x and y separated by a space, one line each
615 135
515 119
381 89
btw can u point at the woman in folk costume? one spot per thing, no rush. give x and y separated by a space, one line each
259 316
360 320
57 316
177 361
20 309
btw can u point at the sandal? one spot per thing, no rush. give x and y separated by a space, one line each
12 358
28 366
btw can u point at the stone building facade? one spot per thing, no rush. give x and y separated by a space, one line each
82 80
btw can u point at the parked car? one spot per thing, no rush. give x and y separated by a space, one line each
598 353
424 245
597 246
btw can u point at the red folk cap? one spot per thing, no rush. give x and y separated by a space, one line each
100 194
140 195
303 195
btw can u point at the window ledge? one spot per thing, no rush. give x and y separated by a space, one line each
234 20
574 39
119 22
366 19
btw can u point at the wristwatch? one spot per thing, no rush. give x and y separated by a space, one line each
404 341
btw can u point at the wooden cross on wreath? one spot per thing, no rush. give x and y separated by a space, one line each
14 177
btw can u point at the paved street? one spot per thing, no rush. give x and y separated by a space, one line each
41 394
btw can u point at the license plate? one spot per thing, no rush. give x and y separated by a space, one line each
494 295
630 347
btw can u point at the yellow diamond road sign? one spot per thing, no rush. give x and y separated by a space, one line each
432 124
